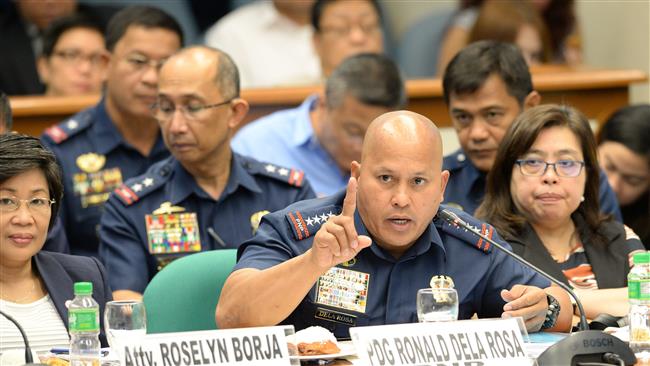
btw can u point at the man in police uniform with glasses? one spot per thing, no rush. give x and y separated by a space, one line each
117 139
205 196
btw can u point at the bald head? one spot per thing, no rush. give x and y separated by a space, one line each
211 62
400 128
400 182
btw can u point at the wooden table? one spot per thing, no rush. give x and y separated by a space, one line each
597 92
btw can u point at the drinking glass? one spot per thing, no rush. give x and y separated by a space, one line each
124 319
437 304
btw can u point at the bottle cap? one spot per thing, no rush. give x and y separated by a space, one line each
83 288
642 257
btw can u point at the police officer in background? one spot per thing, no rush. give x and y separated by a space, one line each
486 86
358 257
203 197
117 139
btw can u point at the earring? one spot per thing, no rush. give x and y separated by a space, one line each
582 199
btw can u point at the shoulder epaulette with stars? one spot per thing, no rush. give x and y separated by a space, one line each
135 188
64 130
305 223
455 161
464 235
290 176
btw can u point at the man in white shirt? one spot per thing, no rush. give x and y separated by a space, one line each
271 43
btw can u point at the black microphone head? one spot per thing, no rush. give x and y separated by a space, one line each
449 216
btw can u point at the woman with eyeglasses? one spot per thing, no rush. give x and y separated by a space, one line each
35 284
542 197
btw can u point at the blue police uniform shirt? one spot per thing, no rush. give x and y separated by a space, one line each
287 138
466 186
375 288
135 242
94 159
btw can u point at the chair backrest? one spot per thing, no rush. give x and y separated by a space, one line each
183 296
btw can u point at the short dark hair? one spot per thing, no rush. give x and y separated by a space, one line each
139 15
498 207
320 5
55 30
372 79
629 126
21 153
469 69
5 111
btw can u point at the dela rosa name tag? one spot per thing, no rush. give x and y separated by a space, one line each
467 343
247 346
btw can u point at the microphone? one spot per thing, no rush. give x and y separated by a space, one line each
585 343
28 351
453 219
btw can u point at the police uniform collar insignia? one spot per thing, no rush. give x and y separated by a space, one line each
256 218
91 162
304 224
464 235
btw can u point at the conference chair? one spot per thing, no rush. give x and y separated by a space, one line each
183 296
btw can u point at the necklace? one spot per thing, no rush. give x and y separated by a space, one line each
21 300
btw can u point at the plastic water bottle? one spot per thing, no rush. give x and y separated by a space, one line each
83 321
638 282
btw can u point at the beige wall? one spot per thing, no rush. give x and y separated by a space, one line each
616 34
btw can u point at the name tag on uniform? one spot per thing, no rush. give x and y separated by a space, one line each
343 288
172 232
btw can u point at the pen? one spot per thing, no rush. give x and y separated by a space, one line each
65 351
216 237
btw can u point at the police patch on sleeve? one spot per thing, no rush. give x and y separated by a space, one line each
306 223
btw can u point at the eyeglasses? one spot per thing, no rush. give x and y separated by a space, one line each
343 30
140 63
75 57
35 205
164 110
537 168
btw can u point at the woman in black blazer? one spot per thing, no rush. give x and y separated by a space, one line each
35 284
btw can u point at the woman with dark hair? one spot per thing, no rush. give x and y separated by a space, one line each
542 197
35 284
624 154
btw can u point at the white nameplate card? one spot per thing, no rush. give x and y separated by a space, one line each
245 346
467 342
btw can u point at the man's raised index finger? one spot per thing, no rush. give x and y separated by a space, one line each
350 200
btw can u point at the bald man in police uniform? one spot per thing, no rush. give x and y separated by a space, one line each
205 196
358 257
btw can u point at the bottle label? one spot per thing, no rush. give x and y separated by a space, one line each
83 320
638 290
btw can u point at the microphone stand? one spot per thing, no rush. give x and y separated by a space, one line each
583 343
28 351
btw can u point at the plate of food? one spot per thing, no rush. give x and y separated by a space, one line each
318 343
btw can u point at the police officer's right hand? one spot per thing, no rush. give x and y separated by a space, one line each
337 240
